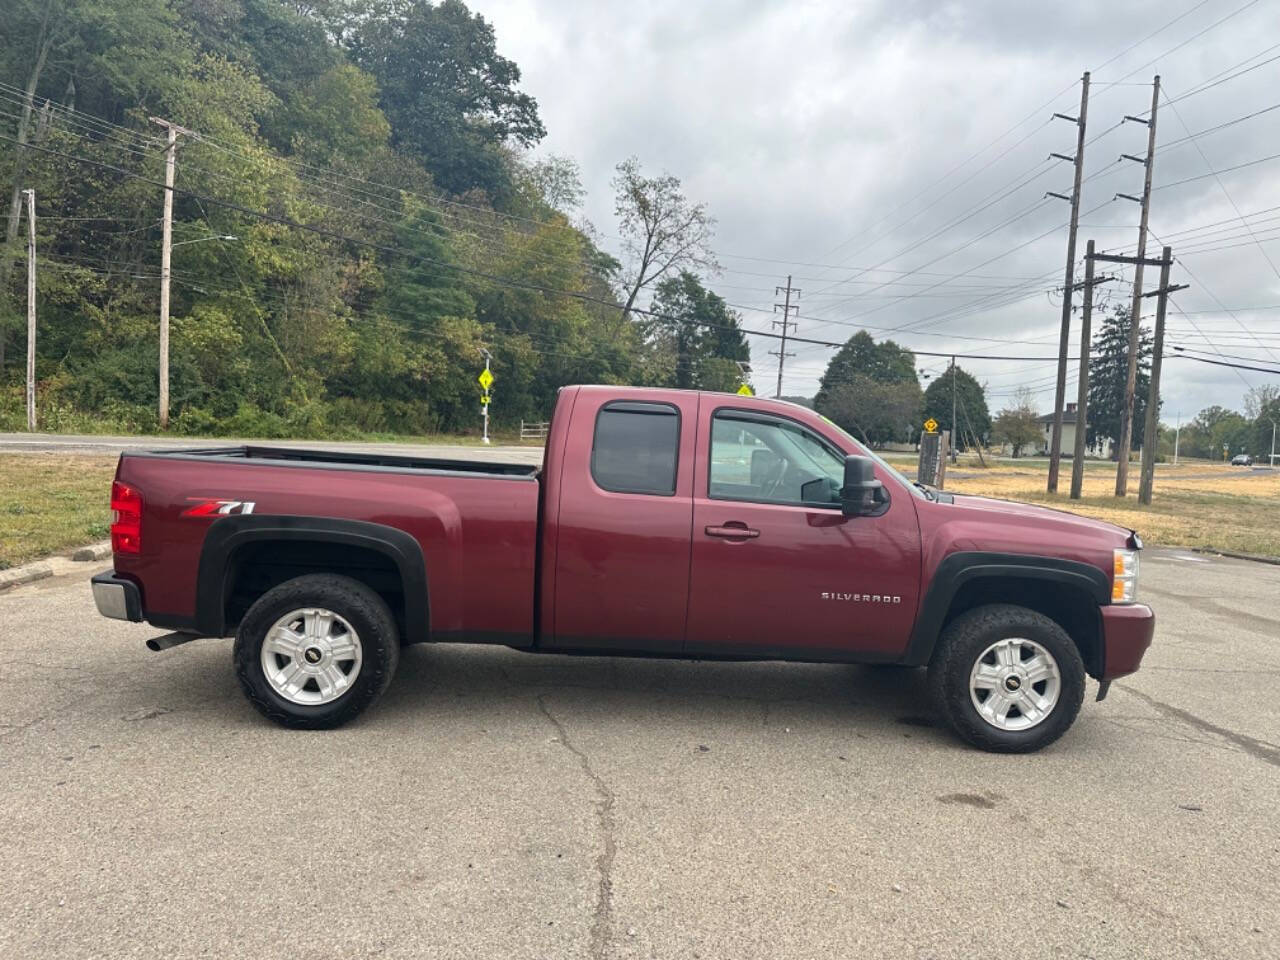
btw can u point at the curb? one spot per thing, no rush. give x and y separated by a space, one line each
1274 561
28 573
43 569
95 551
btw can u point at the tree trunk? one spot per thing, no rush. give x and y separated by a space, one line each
43 42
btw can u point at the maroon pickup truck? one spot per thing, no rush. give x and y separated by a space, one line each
662 522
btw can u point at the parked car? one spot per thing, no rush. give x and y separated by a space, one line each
1242 460
662 522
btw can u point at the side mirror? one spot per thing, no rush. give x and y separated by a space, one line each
861 494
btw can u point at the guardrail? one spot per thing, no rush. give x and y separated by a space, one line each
536 430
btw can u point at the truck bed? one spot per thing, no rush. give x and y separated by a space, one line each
352 459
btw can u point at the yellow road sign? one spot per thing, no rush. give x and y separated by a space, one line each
486 379
484 400
931 425
745 391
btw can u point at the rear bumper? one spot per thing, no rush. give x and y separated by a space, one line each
117 598
1127 630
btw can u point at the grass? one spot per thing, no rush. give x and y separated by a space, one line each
52 503
1196 504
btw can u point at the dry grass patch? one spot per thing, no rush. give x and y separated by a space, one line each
1195 505
52 503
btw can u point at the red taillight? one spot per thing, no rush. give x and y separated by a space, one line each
126 526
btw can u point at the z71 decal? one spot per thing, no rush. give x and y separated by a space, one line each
204 507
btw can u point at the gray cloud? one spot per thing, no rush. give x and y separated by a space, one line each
807 127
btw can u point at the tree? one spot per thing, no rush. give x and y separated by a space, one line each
452 99
663 233
970 406
698 334
1017 424
1260 398
1108 373
879 412
861 356
1266 430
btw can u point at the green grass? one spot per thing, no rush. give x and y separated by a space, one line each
51 504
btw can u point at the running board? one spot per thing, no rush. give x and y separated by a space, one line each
169 640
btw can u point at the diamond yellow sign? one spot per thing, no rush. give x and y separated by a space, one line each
486 379
931 425
745 391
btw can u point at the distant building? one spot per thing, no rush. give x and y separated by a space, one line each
1070 423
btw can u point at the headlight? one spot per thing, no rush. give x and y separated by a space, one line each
1124 582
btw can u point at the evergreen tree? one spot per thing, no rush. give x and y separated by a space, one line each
971 406
1108 372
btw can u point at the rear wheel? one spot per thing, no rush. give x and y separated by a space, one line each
1007 679
315 651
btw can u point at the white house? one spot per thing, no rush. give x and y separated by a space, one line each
1070 423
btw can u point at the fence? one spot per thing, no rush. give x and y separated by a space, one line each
534 431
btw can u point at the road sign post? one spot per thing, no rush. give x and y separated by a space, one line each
486 381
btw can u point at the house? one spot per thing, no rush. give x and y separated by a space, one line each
1070 423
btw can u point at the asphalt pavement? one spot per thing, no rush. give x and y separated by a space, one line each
496 804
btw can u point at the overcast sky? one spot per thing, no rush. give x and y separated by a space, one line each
831 137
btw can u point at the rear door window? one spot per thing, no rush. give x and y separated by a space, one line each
635 448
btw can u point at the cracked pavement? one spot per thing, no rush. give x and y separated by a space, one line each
497 804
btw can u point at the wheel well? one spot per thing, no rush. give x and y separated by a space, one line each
257 567
1071 607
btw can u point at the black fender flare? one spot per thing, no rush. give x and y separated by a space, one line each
957 569
228 534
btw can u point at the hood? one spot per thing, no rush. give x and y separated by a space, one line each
1005 526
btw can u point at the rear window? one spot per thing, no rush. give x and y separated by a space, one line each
635 447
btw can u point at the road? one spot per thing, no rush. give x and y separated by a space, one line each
501 805
90 443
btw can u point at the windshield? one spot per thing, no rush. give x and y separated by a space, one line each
868 452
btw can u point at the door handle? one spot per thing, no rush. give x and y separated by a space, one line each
733 530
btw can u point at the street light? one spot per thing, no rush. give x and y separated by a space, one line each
203 239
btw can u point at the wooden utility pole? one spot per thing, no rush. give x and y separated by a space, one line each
31 309
1149 437
1064 337
1082 387
1135 313
787 312
952 438
166 252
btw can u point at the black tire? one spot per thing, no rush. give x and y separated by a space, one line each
964 641
363 609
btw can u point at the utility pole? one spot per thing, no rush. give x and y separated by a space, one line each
166 253
787 312
1177 435
1149 438
31 309
1135 314
952 438
1064 338
1082 386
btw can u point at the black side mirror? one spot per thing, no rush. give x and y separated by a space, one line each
862 494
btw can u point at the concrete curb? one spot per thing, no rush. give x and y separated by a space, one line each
95 551
1274 561
43 569
27 573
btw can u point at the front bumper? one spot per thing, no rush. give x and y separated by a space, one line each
1127 630
117 598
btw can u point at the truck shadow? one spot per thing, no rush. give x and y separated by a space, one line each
630 689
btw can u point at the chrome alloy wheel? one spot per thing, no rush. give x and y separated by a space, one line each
1015 684
311 656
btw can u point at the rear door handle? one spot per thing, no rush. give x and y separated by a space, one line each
733 530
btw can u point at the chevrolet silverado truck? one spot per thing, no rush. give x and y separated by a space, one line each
661 523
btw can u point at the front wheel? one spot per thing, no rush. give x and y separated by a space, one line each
314 651
1007 679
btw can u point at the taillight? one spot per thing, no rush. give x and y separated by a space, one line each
126 525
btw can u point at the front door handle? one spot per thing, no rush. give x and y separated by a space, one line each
733 530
